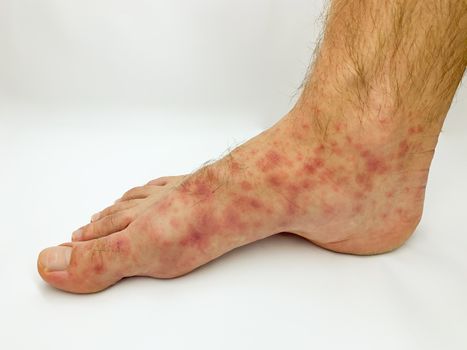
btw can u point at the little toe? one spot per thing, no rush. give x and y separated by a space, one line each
140 192
105 226
115 208
87 267
162 181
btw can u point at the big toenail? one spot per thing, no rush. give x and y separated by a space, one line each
77 235
55 258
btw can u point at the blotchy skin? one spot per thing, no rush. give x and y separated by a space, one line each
346 168
348 193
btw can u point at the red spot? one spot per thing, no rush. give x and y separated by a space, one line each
294 191
328 209
338 127
194 239
373 163
389 194
291 208
121 245
364 181
270 161
256 203
99 268
348 139
403 149
245 202
359 195
206 221
342 181
97 259
232 219
305 126
197 187
320 149
201 189
384 216
311 166
306 184
174 223
416 130
376 165
327 175
234 167
163 206
275 180
358 208
246 186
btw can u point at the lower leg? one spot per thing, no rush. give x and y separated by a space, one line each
346 168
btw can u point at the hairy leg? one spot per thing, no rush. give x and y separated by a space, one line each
346 168
396 60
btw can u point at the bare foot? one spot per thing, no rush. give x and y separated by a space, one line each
346 168
358 190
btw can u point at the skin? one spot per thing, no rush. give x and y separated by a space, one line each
346 168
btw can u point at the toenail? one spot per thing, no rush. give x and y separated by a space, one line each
77 235
55 258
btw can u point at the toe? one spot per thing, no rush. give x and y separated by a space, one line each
87 267
140 192
163 181
120 206
105 226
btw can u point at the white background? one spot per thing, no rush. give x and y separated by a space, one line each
100 96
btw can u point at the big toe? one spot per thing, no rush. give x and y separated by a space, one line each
87 267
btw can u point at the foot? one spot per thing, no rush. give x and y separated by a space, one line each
357 189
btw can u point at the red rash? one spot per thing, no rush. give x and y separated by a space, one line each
246 203
338 127
98 263
373 163
197 187
307 184
270 161
313 165
246 186
359 195
234 167
193 239
403 149
275 180
415 130
357 209
232 219
364 181
294 191
174 223
121 246
164 206
336 149
328 209
320 149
